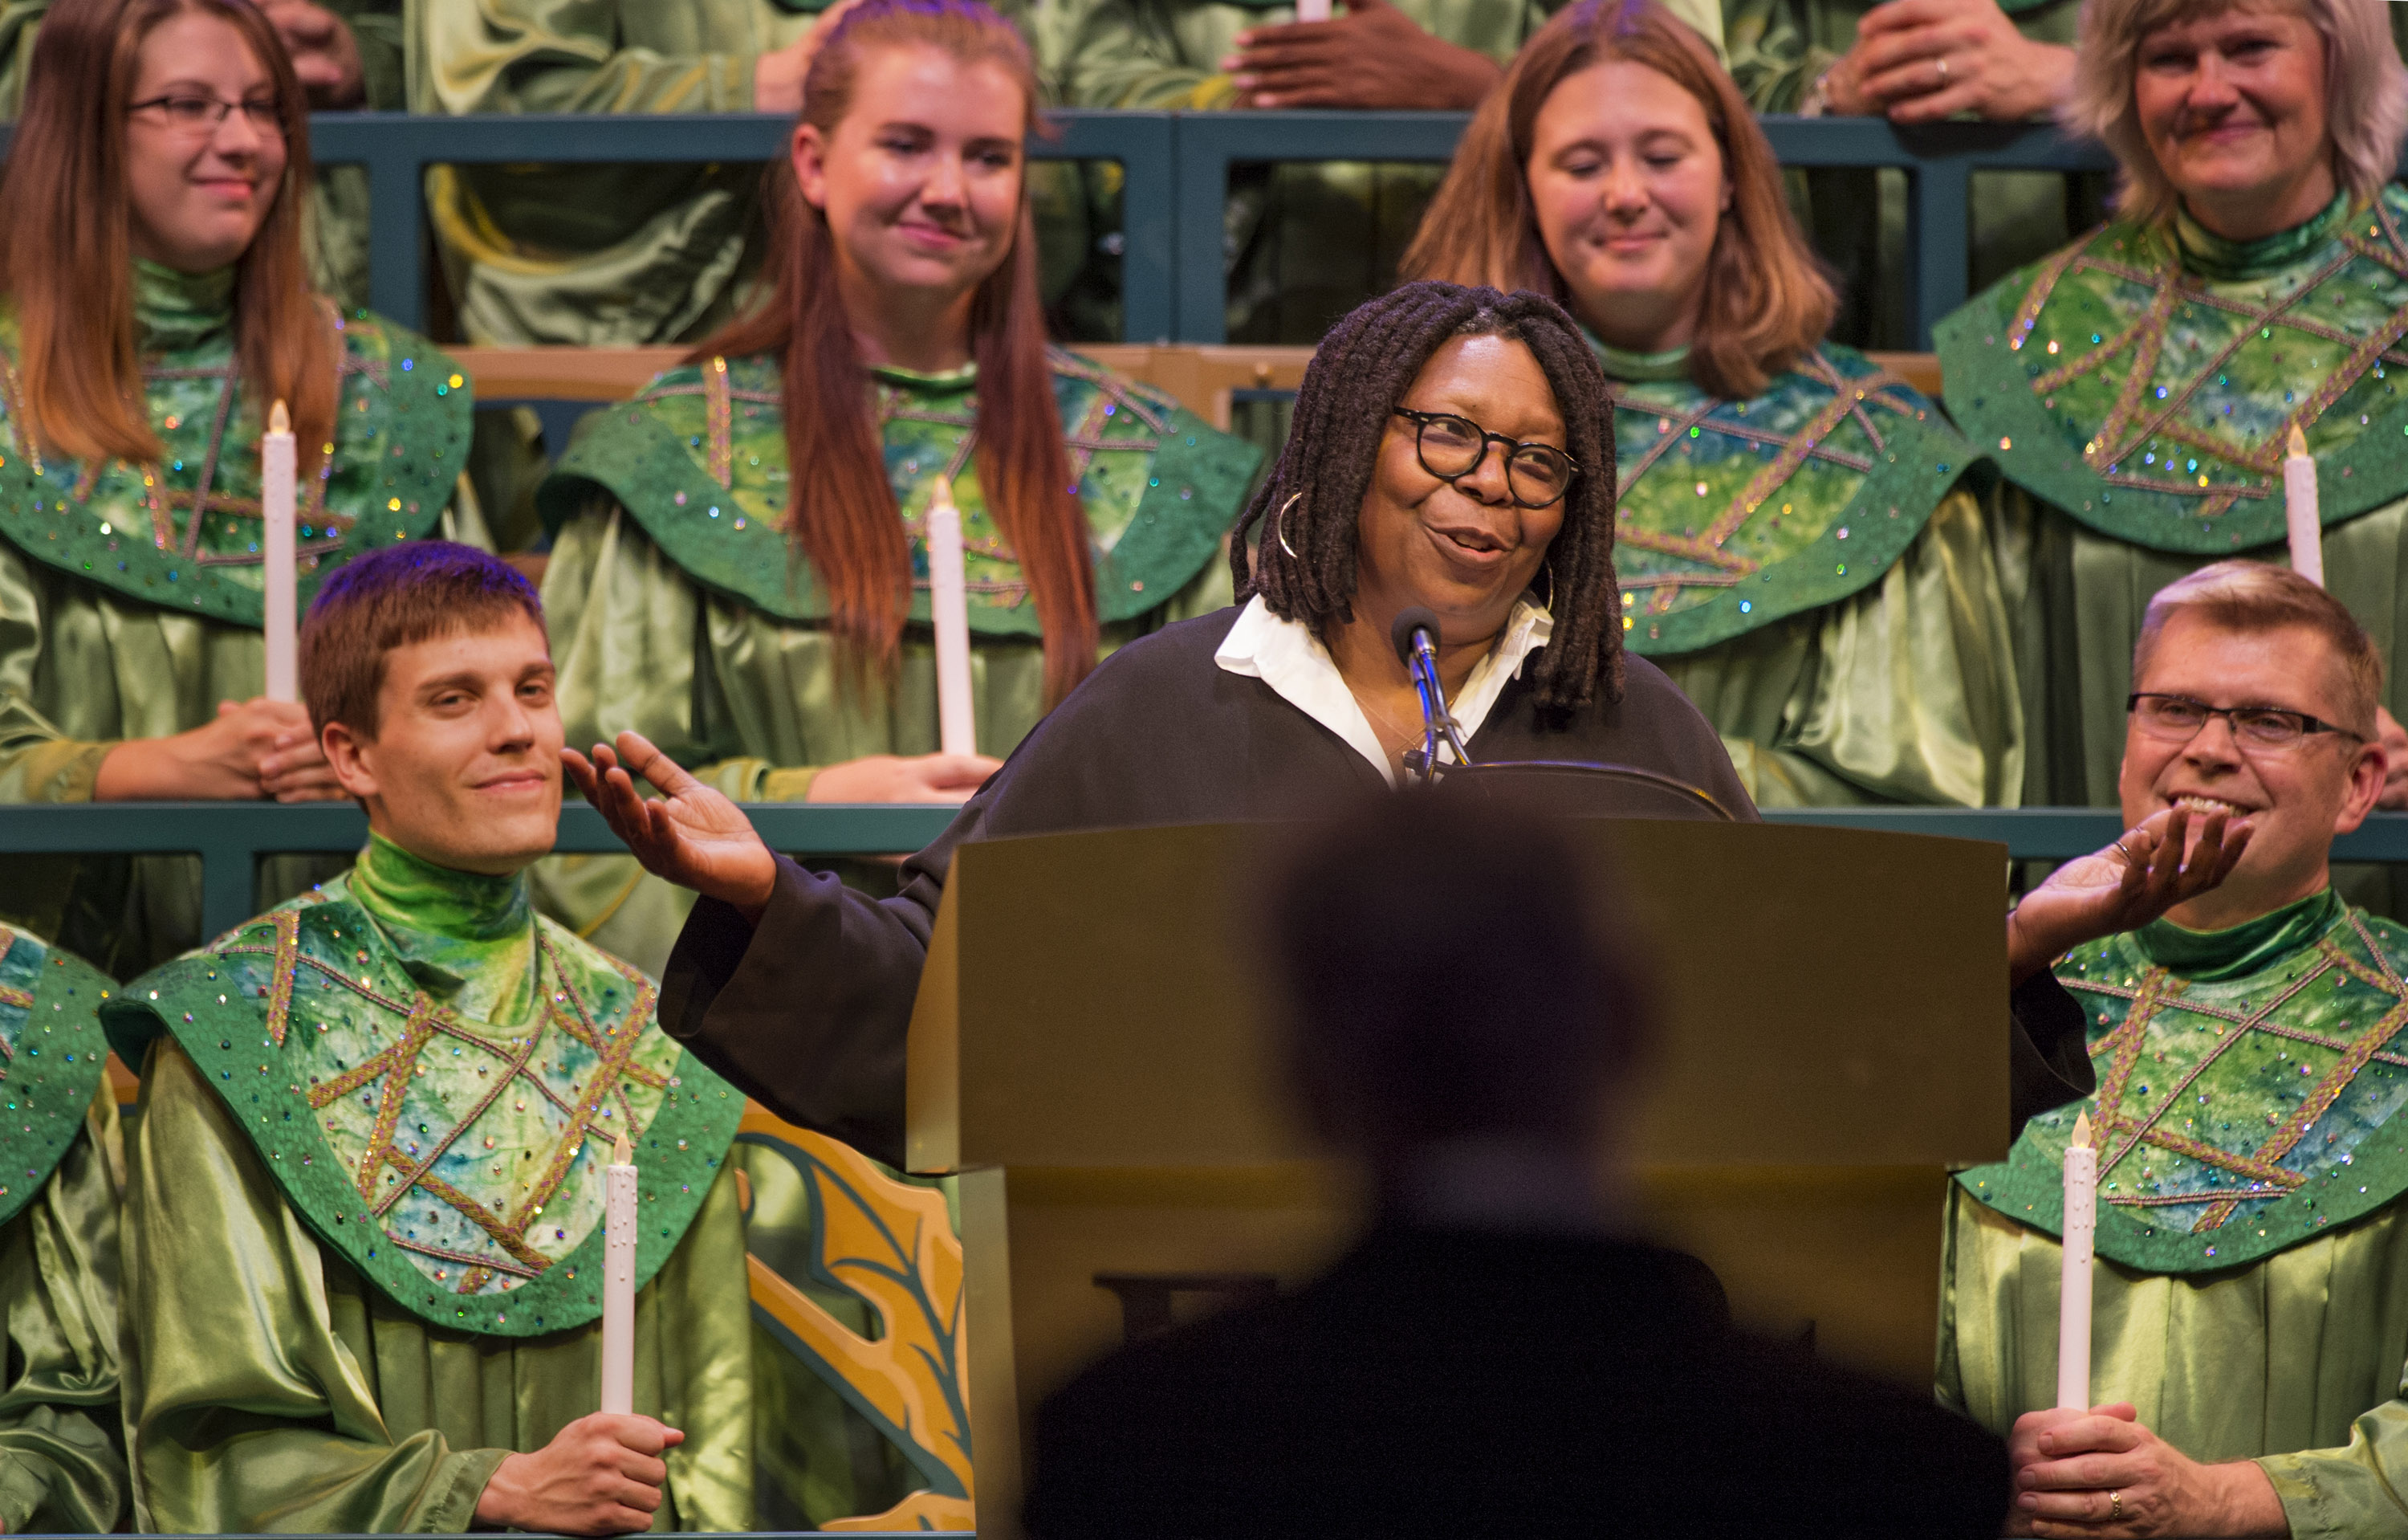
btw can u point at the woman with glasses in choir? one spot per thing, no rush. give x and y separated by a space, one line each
1798 548
153 303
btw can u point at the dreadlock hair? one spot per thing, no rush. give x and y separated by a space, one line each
1308 507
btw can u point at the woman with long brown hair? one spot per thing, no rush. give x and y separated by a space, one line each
153 303
1796 545
739 572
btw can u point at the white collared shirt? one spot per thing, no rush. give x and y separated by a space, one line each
1287 656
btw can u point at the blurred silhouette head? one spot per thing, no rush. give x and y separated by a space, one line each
1452 973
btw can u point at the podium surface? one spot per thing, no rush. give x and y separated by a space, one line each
1093 1041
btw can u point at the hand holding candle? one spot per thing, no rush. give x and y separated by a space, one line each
2073 1289
277 500
949 608
619 1280
2305 525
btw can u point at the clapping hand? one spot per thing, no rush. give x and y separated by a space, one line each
2159 865
1372 57
690 835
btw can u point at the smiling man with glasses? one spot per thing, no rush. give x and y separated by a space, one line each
2249 1052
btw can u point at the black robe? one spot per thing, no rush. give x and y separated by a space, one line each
1457 1382
806 1012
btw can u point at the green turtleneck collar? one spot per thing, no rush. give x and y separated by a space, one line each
178 310
2210 255
2209 957
1620 364
940 382
464 937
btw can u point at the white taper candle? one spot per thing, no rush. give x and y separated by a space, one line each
277 498
2073 1288
619 1280
1312 10
2306 526
949 608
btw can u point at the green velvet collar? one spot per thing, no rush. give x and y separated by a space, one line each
2211 957
434 1077
2250 1083
1621 364
1735 514
52 1059
464 936
2213 256
699 460
2146 380
178 310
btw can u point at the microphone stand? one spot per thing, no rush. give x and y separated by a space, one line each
1414 634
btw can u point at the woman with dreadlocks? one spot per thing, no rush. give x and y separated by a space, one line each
1386 497
1798 549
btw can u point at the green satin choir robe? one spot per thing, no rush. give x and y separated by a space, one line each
1808 567
62 1442
1309 242
336 235
679 607
595 256
301 1356
1857 218
2136 390
2251 1295
122 616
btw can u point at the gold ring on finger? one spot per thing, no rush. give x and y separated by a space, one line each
1941 66
2115 1507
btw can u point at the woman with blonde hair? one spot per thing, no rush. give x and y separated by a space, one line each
1797 548
739 572
2140 389
154 302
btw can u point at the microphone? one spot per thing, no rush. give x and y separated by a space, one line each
1414 635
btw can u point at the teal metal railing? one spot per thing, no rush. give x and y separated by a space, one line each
230 838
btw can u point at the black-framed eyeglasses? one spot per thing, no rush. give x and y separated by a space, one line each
195 114
2178 719
1451 447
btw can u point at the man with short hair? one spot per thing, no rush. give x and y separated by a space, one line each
364 1228
2251 1295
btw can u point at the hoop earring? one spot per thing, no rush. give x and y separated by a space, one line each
1281 535
1548 567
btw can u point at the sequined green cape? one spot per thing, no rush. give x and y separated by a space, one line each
1734 514
700 458
2247 1082
449 1149
51 1059
2146 381
184 532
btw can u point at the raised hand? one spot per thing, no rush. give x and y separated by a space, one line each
1372 57
601 1474
2157 866
690 835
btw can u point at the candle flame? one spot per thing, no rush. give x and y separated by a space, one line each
279 420
2298 446
2081 1132
943 494
621 1155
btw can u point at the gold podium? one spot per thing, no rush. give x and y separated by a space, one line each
1089 1052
